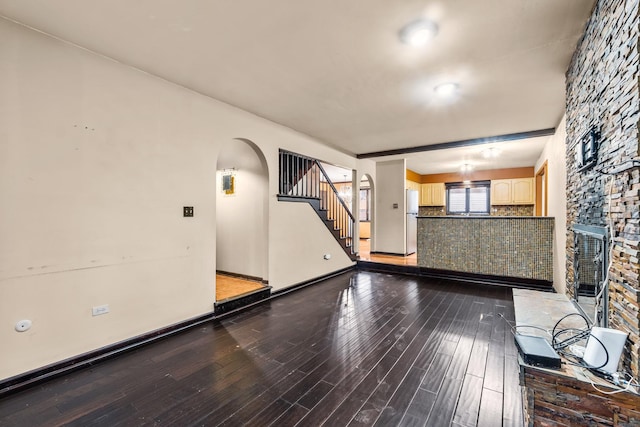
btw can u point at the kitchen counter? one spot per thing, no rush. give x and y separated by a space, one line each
502 246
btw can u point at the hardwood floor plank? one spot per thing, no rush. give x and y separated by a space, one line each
490 409
494 372
352 406
419 408
387 388
111 414
411 421
513 410
435 375
271 413
230 287
445 404
466 413
290 417
460 359
397 406
480 350
357 349
314 395
245 405
404 330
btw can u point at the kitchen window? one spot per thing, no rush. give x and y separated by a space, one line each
465 199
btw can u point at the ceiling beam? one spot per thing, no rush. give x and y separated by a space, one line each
461 143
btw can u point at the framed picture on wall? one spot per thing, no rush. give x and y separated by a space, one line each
228 183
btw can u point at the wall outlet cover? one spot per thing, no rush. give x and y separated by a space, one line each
100 309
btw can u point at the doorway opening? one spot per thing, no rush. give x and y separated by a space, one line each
242 213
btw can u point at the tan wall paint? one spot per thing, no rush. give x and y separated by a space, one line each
554 154
96 161
414 176
481 175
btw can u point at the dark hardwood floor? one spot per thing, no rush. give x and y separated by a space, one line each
359 349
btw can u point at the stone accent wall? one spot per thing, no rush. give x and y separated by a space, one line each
602 90
553 399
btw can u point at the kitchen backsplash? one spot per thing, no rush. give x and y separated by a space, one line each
431 211
512 210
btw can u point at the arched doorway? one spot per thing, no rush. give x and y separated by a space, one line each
242 217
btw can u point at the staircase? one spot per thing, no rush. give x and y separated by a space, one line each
303 179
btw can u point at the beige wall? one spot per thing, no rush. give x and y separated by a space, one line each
390 223
554 155
96 162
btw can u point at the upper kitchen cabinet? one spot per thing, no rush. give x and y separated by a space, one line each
518 191
412 185
432 194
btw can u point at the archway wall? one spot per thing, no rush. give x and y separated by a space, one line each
366 169
101 159
241 217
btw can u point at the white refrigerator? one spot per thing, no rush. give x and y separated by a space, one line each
412 222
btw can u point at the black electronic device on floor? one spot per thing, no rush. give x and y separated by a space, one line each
537 351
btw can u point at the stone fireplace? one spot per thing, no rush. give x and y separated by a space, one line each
602 93
590 263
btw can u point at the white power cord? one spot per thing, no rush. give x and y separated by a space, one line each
616 378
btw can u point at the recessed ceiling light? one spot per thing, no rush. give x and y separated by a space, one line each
418 33
446 90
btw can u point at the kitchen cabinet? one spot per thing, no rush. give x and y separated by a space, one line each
432 194
517 191
412 185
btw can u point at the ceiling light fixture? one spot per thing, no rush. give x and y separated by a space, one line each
490 153
466 167
418 33
446 90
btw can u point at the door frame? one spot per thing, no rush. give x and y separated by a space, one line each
542 190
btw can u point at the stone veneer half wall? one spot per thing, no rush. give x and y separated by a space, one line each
602 90
515 247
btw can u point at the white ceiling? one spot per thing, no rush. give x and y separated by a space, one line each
335 69
512 154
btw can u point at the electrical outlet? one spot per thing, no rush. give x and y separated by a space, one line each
187 211
100 309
